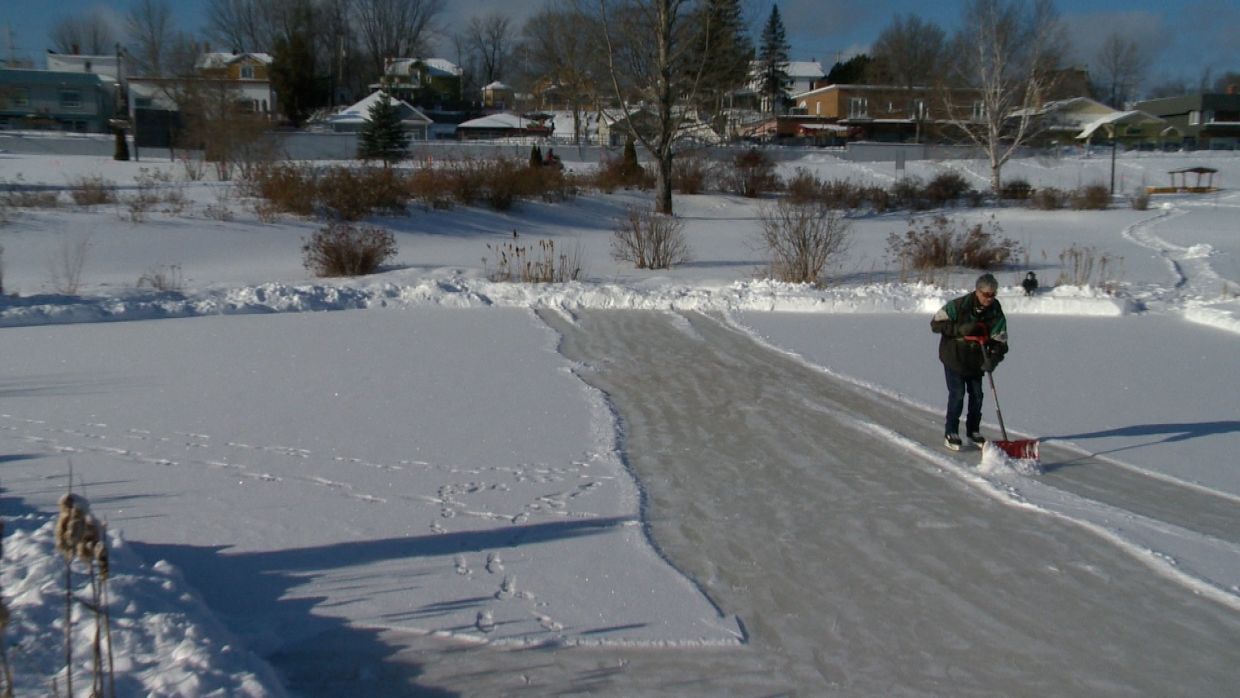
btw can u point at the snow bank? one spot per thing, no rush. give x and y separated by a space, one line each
166 641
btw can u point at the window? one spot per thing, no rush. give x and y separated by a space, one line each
1194 118
979 111
247 72
858 107
70 99
917 109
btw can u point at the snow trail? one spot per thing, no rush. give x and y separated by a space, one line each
846 562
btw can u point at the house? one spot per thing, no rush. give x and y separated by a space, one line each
872 112
427 83
1062 120
56 100
351 119
501 125
802 75
1208 120
498 95
613 127
249 74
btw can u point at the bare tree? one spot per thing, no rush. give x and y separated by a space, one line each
1005 59
910 54
395 28
489 39
150 29
91 34
559 51
242 25
1122 63
650 45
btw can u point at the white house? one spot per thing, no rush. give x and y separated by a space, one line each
352 118
106 67
801 77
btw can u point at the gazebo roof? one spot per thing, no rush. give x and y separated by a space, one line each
1193 170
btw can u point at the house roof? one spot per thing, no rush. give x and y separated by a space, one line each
497 85
221 59
360 112
499 120
436 67
797 70
1127 118
23 77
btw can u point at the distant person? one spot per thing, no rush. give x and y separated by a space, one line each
1030 284
972 340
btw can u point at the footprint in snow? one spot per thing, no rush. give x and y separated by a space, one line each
485 621
507 588
461 567
494 564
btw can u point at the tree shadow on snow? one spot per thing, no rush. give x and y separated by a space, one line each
255 593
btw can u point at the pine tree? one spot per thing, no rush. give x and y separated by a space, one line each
536 158
724 51
292 76
773 61
383 137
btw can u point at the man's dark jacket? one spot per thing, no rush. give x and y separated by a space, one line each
959 323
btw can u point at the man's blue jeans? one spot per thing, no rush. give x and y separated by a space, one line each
957 387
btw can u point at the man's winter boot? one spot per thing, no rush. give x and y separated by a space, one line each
952 441
977 438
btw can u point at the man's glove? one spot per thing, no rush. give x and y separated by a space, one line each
970 329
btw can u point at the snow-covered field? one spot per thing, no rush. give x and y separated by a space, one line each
428 462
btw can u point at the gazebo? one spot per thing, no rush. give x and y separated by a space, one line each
1199 171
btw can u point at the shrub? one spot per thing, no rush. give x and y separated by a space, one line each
517 262
503 181
354 193
1092 197
92 191
1140 201
940 243
802 239
341 249
906 193
946 187
691 174
615 174
289 188
1048 199
804 188
165 278
1015 190
879 198
1078 266
467 179
650 240
844 194
753 174
430 186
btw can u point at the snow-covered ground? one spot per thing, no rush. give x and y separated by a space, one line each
428 462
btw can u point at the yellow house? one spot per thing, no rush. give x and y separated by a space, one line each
235 66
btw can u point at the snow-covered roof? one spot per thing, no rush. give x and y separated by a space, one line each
434 66
220 59
1126 118
360 112
499 120
796 70
497 85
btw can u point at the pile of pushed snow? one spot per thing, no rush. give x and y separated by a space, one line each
165 640
465 291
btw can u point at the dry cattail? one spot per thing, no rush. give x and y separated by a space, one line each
4 615
71 525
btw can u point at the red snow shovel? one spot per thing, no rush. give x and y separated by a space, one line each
1021 449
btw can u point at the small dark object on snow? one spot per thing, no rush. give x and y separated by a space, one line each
1030 284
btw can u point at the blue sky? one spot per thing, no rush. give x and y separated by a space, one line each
1186 37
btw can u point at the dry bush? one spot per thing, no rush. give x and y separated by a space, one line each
517 262
164 278
691 174
504 181
66 265
1092 197
290 188
467 179
342 249
352 193
1084 266
18 194
432 187
907 192
803 187
940 243
615 174
1015 190
845 194
1140 201
1048 199
802 239
945 188
879 198
753 174
649 240
92 191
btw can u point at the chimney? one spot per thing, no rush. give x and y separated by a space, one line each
75 49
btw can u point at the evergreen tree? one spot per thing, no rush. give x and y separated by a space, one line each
773 62
536 158
724 51
383 137
854 71
292 76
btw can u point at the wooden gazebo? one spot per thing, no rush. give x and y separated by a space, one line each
1197 188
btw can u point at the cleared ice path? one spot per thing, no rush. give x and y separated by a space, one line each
856 568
